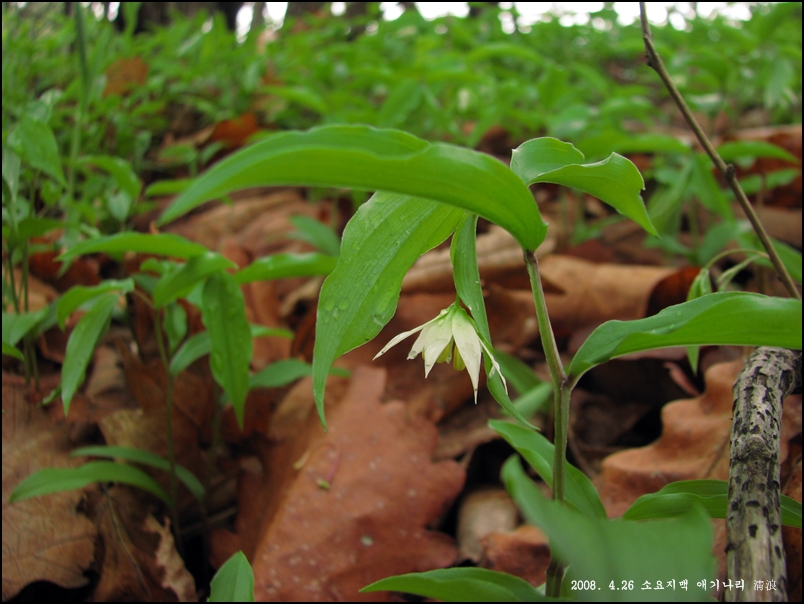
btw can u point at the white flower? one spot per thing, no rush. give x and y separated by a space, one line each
452 325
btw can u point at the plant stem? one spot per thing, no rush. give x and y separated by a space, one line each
169 432
561 398
655 61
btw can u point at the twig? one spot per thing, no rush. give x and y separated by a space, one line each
754 550
655 61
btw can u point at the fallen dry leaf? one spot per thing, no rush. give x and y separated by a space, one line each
138 560
44 538
350 506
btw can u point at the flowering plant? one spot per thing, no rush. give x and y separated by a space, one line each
451 336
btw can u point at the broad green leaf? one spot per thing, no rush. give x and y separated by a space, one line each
178 283
317 234
121 170
147 458
16 326
282 266
463 254
199 345
678 498
163 244
535 400
540 454
614 180
539 156
736 150
34 142
54 480
224 313
234 581
79 294
461 585
362 157
381 242
12 351
81 345
727 319
601 550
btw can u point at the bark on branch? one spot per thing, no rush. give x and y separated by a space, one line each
754 550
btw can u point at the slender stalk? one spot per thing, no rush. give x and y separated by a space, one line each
655 61
169 431
561 397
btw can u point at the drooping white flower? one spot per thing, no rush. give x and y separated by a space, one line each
451 336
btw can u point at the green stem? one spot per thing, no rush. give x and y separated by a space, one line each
561 397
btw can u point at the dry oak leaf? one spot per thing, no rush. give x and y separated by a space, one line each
138 560
44 538
357 508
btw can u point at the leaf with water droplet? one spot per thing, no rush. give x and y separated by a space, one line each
368 277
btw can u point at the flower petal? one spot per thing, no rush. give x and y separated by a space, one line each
438 338
468 345
495 366
397 339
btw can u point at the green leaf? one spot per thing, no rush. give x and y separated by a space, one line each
736 150
81 345
34 142
301 95
706 188
461 585
168 187
280 373
200 344
726 319
35 227
601 550
178 283
55 480
463 255
282 266
540 454
224 313
518 374
366 158
12 351
147 458
317 234
79 294
234 581
163 244
120 170
175 324
17 326
381 242
678 498
539 156
402 101
614 180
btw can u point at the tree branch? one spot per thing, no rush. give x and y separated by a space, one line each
754 550
655 61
